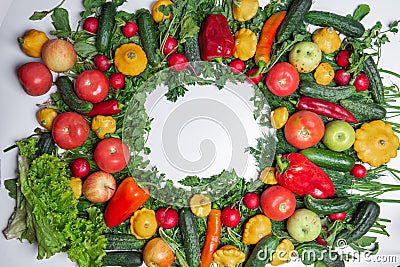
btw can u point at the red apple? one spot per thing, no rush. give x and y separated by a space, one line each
99 187
58 55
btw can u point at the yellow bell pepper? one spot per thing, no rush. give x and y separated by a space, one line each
46 117
245 44
228 255
103 125
157 15
282 252
76 185
244 10
32 42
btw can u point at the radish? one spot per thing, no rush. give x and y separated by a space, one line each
117 80
177 61
342 77
230 217
80 167
170 46
91 24
102 62
167 217
254 80
129 29
358 171
337 216
342 58
361 82
251 200
237 66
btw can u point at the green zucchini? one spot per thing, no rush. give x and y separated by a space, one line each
190 236
343 24
262 252
327 206
46 144
293 19
329 159
326 92
375 82
123 258
68 95
106 27
123 242
364 111
149 37
364 217
312 252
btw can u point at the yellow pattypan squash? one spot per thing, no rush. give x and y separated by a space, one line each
327 39
143 223
46 117
256 228
376 143
228 255
244 10
32 42
282 252
157 15
200 205
279 117
130 59
267 176
245 44
324 73
76 185
103 125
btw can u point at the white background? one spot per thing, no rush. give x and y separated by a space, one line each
18 110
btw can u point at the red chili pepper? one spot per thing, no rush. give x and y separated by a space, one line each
105 108
325 108
125 201
298 174
215 38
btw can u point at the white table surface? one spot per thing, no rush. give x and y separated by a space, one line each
18 115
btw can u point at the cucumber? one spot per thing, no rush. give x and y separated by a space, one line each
364 217
263 251
327 206
312 252
293 19
106 27
192 49
46 144
375 82
364 111
149 37
190 236
326 92
343 24
329 159
123 258
68 95
123 242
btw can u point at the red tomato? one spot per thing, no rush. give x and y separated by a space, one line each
92 86
70 130
282 79
111 155
230 217
277 202
80 167
35 78
304 129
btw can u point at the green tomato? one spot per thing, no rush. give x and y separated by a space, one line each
304 225
339 135
305 56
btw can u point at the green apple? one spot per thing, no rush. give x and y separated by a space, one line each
304 225
305 56
339 135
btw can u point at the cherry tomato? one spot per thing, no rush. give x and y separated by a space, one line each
342 77
277 202
117 80
282 79
230 217
35 78
304 129
342 58
129 29
237 66
361 82
177 61
358 171
167 217
102 62
170 46
91 24
80 167
111 155
251 200
254 80
70 130
337 216
92 86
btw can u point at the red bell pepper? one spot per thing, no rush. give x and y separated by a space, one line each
298 174
125 201
215 38
105 108
325 108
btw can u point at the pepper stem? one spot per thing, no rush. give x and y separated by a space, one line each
261 67
282 165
